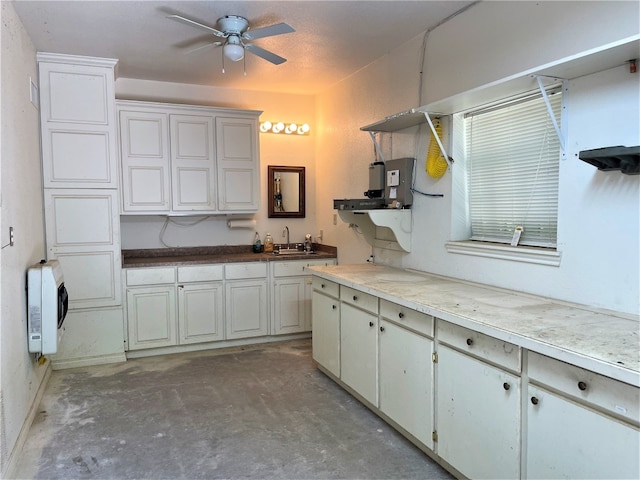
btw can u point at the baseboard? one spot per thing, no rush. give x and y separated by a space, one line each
14 456
89 361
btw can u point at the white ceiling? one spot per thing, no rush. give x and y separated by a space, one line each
333 39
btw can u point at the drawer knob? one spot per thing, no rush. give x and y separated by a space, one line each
582 386
534 400
506 386
355 298
401 315
382 329
371 324
469 341
322 285
333 307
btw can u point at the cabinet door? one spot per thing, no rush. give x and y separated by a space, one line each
358 351
567 440
478 416
83 233
144 144
192 163
200 312
77 119
238 164
151 317
289 305
406 380
326 332
246 308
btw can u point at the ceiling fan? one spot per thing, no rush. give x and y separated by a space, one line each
234 33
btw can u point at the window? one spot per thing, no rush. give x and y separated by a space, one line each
512 157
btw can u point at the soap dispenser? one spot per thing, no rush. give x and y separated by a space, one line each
268 243
257 244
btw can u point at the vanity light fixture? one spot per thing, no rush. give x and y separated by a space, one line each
288 128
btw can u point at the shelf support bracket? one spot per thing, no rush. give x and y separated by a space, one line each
435 135
376 146
550 111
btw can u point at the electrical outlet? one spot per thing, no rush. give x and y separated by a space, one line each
12 238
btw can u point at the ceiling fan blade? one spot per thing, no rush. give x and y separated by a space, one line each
266 54
277 29
193 23
202 47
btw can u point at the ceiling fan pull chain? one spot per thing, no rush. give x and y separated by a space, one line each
222 52
244 65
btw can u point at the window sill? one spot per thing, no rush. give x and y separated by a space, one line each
539 256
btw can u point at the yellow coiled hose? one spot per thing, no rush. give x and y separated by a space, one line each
436 164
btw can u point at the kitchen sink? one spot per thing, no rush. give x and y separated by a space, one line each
292 251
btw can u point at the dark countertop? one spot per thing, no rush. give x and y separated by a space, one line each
160 257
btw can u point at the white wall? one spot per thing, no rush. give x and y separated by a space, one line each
599 212
20 375
143 231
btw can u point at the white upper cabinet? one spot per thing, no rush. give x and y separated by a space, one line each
238 164
188 159
144 150
193 183
77 116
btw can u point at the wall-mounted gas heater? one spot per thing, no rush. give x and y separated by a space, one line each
47 304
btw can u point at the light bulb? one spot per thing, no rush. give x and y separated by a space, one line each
233 49
265 126
305 128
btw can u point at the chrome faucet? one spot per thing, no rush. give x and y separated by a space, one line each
285 233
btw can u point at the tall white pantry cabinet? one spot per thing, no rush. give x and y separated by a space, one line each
81 200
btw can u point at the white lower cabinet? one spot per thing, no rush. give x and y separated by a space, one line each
478 416
599 435
151 316
246 300
359 343
200 312
291 295
406 369
325 311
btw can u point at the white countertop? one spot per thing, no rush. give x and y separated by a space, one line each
603 342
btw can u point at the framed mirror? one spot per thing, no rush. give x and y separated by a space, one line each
286 192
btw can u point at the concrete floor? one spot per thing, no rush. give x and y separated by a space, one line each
257 412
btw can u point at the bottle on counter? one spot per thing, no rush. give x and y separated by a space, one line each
268 243
308 243
257 244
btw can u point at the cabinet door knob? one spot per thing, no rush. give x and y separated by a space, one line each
355 298
401 315
506 386
469 341
333 307
582 386
371 324
382 329
534 400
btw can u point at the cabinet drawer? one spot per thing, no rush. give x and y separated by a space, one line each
359 299
479 345
611 395
237 271
326 286
407 317
200 273
151 276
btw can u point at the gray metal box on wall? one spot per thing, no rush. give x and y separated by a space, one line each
399 175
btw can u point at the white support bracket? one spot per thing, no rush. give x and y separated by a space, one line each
376 146
550 111
435 135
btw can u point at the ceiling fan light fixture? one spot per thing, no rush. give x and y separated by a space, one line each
233 52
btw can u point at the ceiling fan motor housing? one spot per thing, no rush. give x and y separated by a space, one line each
233 24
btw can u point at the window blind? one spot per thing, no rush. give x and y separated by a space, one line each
513 160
